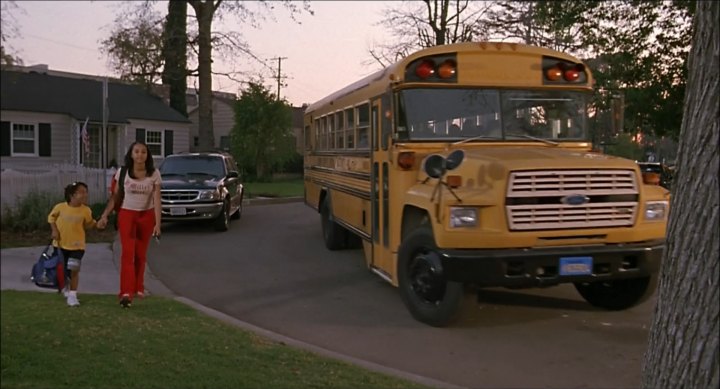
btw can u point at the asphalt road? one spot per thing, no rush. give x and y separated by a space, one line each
272 270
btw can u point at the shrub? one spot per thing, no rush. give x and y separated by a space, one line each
30 212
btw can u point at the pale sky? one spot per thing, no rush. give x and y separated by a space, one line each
323 54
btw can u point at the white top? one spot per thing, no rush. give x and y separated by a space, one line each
139 193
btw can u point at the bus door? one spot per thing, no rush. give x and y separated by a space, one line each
380 233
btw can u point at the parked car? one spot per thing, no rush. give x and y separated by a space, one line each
201 186
657 172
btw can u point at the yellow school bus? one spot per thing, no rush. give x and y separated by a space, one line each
469 165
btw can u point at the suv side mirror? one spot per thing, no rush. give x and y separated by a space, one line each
233 174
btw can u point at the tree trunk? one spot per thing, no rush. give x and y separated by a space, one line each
683 344
175 55
204 11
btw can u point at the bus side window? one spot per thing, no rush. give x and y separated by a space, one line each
385 120
363 114
350 128
331 132
307 138
318 134
340 129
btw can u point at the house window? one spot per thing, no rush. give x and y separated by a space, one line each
24 139
225 142
154 140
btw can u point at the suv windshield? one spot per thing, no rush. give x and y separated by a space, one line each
193 165
457 114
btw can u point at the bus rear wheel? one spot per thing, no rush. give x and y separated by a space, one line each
334 235
429 297
619 294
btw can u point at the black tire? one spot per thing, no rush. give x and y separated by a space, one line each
222 222
619 294
238 213
428 296
334 235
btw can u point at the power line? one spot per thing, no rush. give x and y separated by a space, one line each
60 43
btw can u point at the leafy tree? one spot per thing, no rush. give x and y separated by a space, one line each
8 29
174 53
624 146
416 25
261 139
134 48
638 49
683 349
533 23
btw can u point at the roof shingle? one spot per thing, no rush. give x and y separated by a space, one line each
80 98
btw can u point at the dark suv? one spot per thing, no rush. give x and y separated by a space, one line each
201 186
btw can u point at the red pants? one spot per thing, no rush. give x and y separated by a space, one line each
135 229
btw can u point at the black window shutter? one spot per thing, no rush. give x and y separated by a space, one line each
168 143
5 139
140 135
44 140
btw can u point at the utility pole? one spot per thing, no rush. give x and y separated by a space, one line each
279 75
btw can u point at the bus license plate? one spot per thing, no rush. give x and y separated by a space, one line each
576 266
178 211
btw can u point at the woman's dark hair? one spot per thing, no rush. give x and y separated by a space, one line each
149 165
72 188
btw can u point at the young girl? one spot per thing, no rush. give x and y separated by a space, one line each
68 221
138 218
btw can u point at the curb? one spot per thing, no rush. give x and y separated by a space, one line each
284 340
272 200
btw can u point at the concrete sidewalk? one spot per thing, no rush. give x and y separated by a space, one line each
99 274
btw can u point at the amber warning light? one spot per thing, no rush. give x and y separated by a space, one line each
441 68
561 72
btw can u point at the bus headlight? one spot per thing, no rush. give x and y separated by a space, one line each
463 217
213 194
656 210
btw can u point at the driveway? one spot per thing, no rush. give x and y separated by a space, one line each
272 270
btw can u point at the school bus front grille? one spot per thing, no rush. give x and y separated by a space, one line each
561 216
538 200
565 182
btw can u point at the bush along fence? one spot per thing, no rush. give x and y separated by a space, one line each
17 183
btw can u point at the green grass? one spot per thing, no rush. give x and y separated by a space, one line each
280 188
158 343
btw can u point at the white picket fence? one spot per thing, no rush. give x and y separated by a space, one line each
16 183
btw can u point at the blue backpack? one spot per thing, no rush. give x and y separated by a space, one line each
49 270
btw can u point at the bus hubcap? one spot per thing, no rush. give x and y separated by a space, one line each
425 280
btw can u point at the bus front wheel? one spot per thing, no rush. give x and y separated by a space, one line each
334 235
428 296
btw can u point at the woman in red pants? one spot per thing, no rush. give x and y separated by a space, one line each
138 217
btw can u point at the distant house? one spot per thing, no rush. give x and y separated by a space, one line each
223 109
42 113
223 113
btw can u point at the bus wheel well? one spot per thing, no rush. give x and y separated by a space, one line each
413 217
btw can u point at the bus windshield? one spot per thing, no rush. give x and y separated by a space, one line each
491 114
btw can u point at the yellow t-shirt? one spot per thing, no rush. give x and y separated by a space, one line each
71 223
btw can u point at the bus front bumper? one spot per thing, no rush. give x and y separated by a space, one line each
524 268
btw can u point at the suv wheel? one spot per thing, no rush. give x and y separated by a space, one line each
222 222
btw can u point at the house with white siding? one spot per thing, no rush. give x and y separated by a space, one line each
42 114
223 113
